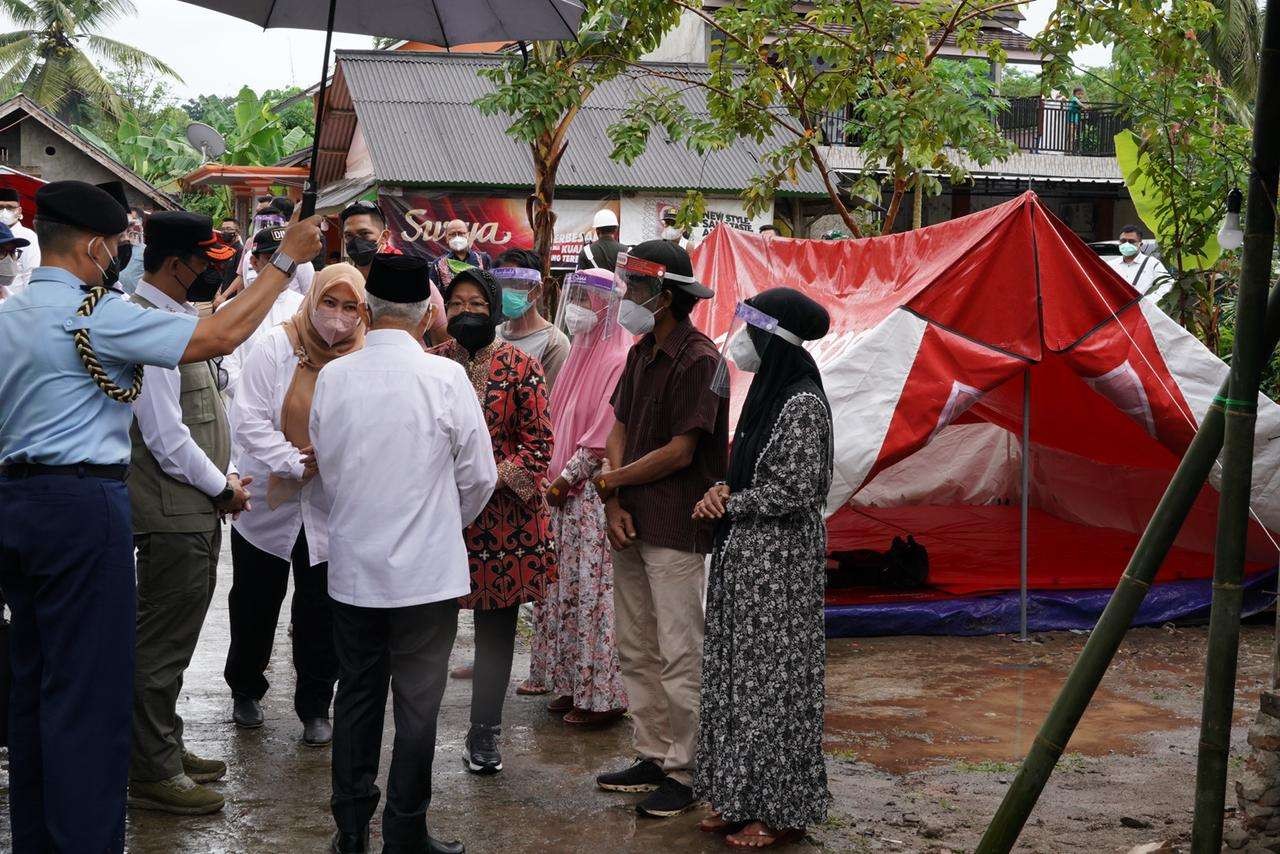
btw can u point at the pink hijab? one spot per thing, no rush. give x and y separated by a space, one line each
581 416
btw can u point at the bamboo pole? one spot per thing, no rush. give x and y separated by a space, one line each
1248 357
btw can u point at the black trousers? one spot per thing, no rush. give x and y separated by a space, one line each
495 648
258 584
407 648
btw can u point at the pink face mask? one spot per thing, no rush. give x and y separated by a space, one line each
333 326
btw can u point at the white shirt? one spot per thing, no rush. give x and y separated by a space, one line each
158 411
302 275
262 450
1153 274
30 257
406 461
285 307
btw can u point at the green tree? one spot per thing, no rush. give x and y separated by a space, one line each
543 88
824 74
1232 43
54 56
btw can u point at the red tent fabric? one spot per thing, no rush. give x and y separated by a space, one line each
935 334
26 185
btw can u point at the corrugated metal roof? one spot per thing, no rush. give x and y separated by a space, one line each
415 111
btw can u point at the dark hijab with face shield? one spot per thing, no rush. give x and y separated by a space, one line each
786 370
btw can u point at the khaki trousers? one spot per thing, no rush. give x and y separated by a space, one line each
176 576
658 598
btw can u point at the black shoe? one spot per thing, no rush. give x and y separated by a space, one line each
349 843
671 798
246 711
480 752
643 776
439 846
317 732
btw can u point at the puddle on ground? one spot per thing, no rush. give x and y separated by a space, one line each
973 712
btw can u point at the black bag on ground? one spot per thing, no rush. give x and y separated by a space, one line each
905 566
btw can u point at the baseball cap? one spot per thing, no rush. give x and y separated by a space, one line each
678 268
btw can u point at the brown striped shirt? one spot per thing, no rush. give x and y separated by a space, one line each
665 392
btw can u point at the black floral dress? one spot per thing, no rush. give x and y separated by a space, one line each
764 659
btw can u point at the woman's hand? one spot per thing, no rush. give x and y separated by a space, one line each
309 467
712 505
558 492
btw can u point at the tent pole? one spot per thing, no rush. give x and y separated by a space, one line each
1247 360
311 190
1026 503
1105 639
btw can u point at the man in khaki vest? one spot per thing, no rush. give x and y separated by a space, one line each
179 488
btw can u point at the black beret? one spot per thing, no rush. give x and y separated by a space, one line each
9 194
81 206
268 239
116 189
399 278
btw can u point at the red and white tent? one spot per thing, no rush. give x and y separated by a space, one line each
946 343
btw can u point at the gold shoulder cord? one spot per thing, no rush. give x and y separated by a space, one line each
90 359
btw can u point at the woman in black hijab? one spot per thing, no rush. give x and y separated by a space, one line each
760 763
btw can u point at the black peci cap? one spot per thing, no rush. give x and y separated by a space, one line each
9 194
184 233
679 273
399 278
81 205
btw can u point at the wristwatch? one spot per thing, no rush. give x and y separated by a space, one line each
284 263
225 495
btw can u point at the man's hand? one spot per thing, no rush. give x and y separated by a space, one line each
303 240
558 492
239 500
622 529
309 467
712 505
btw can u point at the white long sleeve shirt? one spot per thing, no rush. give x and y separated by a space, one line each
261 450
1143 273
406 461
285 307
30 257
158 411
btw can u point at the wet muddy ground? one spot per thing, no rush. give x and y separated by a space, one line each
923 736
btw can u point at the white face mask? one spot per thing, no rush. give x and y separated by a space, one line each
672 233
9 269
634 318
578 319
458 243
743 352
9 217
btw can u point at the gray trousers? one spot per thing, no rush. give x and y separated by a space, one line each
176 577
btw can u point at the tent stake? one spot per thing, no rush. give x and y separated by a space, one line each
1026 502
1247 361
311 190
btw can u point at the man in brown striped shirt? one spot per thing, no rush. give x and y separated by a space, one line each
669 444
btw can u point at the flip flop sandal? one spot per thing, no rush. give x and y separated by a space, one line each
714 824
529 688
560 705
578 717
785 837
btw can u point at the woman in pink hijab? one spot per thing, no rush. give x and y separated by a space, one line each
574 626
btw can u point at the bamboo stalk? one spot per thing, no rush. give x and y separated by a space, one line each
1248 357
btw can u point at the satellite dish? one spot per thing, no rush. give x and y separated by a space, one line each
206 140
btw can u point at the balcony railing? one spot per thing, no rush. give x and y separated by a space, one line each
1036 125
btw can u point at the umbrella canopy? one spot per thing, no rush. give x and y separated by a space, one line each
437 22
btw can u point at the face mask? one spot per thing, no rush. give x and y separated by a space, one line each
471 330
230 238
1128 250
458 243
111 274
333 326
578 319
635 318
9 217
124 255
205 287
672 233
515 304
361 251
742 350
9 270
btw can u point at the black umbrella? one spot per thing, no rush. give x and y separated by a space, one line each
442 23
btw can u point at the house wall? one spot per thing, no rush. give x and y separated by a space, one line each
51 158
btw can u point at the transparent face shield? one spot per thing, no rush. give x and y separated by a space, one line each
589 302
640 284
267 219
750 335
518 286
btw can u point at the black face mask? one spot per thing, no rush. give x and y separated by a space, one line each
230 238
361 251
473 331
110 275
124 254
205 287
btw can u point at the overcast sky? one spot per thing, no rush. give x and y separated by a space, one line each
217 54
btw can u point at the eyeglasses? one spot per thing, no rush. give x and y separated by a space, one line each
476 305
220 376
16 251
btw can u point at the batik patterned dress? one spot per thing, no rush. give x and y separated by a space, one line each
573 629
511 546
760 739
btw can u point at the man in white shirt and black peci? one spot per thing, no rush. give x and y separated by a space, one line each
179 488
406 462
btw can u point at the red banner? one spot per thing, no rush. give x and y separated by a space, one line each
417 222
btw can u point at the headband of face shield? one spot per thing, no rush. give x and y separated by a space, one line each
589 301
517 284
268 219
750 335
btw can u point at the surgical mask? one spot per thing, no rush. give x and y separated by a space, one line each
472 330
9 270
1128 250
636 318
361 251
458 243
742 350
124 255
578 319
9 217
672 233
111 274
333 326
515 303
205 287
